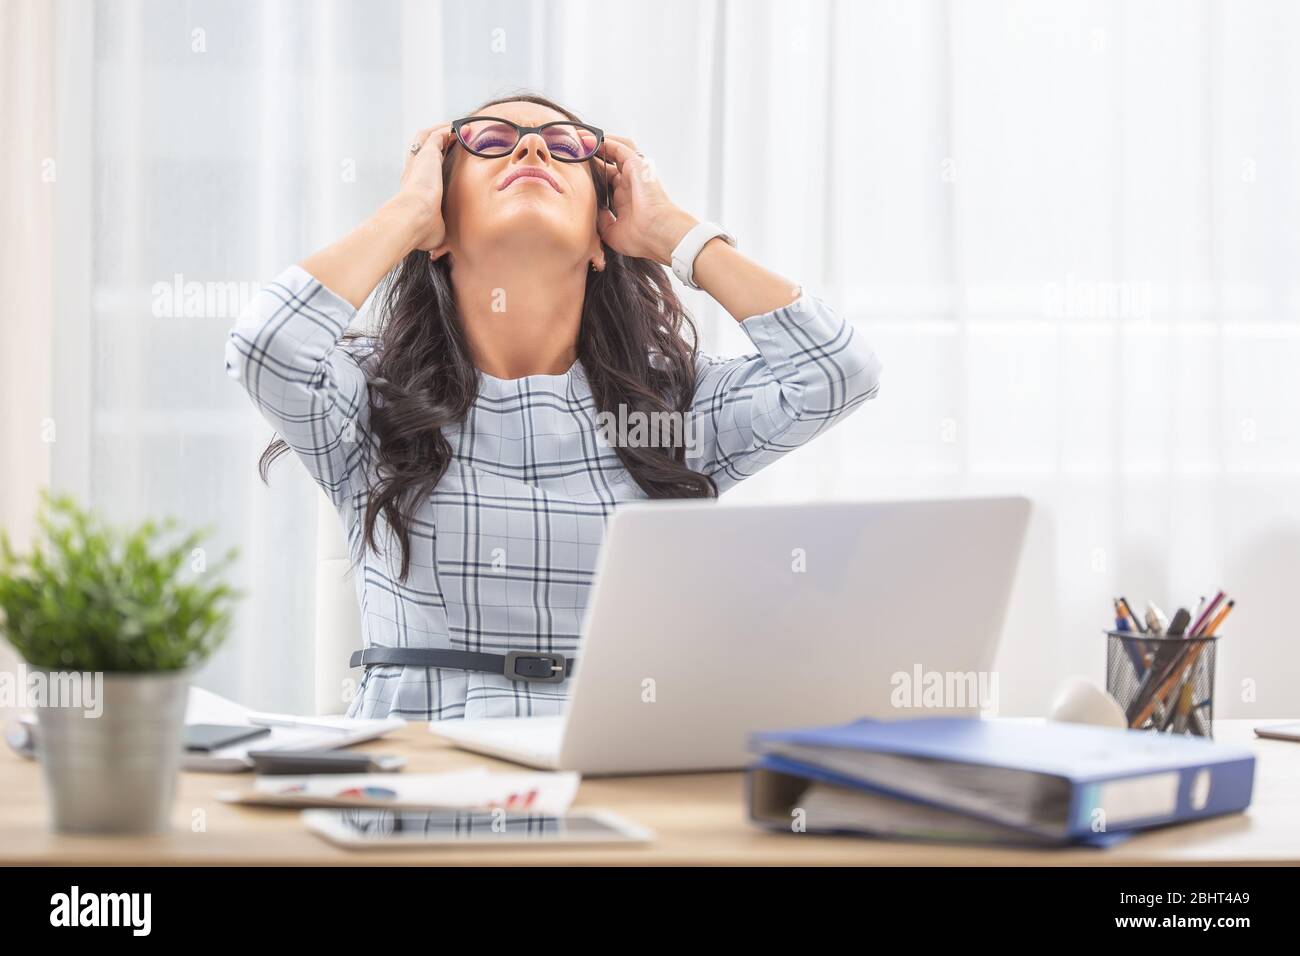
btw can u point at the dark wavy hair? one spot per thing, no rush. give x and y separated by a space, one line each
423 377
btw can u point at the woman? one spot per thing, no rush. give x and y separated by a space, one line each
469 445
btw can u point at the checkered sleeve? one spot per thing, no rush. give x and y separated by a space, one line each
284 350
812 368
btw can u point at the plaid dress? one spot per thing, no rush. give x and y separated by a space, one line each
503 551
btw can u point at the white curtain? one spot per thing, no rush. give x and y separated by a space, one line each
1069 229
28 182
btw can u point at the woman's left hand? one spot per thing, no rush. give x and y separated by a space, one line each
645 223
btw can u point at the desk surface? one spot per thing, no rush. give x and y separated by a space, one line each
699 819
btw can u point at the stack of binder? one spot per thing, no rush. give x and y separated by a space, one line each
967 780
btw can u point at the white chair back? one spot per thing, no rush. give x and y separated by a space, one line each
338 617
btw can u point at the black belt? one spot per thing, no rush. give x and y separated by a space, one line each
532 666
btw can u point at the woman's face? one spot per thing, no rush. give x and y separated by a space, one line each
490 209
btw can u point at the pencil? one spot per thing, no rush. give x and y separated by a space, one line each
1218 619
1195 629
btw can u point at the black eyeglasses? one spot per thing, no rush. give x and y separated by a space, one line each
492 136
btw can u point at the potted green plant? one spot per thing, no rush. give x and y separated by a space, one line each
111 624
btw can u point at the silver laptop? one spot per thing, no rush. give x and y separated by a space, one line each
708 622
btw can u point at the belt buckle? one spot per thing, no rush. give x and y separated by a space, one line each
538 668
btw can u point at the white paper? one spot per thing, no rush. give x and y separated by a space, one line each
541 792
306 733
205 707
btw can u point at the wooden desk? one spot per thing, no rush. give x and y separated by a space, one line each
699 819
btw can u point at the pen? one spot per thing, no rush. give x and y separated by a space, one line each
1134 624
1136 657
1137 626
1179 624
1121 619
1123 602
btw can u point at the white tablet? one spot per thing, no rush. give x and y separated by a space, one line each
409 828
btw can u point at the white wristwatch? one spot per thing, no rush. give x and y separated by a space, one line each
690 246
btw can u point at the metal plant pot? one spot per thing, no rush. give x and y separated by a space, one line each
116 773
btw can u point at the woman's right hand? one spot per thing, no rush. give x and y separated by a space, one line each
353 266
421 185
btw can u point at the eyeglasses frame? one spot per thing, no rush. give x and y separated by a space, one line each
523 131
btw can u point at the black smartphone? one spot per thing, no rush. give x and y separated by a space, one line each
208 737
299 762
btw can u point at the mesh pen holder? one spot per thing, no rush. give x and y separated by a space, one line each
1163 683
